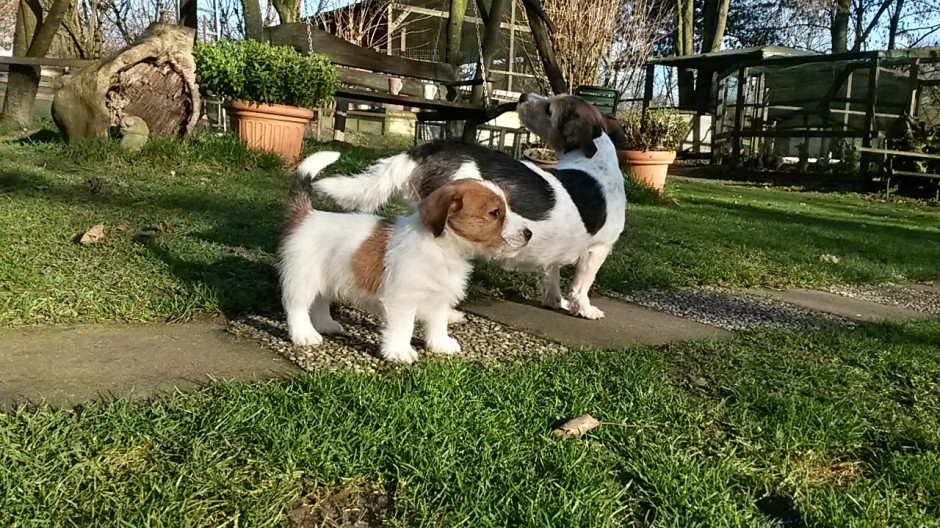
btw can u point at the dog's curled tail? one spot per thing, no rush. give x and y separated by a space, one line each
300 203
367 191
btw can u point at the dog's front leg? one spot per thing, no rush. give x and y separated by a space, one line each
437 339
551 288
578 302
396 339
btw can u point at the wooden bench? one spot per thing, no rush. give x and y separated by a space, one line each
364 73
889 155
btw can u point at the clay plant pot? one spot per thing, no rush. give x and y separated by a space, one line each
648 166
272 127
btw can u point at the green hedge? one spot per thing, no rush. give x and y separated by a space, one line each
249 70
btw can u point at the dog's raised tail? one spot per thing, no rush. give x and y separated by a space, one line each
367 191
300 203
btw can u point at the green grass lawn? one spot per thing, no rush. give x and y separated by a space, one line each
846 425
772 428
224 210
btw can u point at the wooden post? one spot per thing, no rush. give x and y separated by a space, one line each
738 117
339 119
458 9
543 42
648 86
915 73
870 111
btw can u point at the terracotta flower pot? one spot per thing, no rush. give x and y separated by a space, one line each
649 166
272 127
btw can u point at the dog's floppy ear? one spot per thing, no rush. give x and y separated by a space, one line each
580 130
438 206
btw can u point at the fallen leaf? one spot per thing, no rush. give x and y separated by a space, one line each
94 235
576 427
162 227
40 187
126 226
832 259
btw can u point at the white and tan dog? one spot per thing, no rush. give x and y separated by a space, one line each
575 210
405 268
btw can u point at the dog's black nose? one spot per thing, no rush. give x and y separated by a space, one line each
524 97
527 234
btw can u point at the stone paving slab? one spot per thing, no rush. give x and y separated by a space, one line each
849 307
624 325
70 365
932 287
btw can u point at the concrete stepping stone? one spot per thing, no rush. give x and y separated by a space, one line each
70 365
848 307
624 325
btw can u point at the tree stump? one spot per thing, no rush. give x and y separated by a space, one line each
153 79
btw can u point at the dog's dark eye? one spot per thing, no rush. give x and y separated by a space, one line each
496 213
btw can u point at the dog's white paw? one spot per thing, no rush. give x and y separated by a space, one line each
555 303
400 354
307 337
455 316
444 345
329 327
586 310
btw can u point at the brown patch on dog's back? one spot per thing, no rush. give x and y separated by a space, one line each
368 262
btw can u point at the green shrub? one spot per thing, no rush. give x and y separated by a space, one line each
660 129
249 70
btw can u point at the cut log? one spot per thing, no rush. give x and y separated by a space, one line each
153 79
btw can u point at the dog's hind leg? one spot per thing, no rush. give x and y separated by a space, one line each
551 288
298 299
322 320
588 264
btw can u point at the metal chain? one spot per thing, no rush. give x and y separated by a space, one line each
309 35
486 91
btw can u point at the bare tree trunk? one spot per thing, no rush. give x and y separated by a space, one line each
685 46
458 9
189 16
839 30
254 23
489 45
287 10
721 20
893 26
543 42
23 81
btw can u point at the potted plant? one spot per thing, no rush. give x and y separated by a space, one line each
269 90
652 140
542 157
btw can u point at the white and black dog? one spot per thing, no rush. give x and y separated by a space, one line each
405 268
575 211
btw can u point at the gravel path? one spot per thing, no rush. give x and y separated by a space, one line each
732 310
891 294
490 343
482 341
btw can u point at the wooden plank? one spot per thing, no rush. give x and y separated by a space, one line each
795 133
903 153
42 61
347 54
404 100
377 81
929 175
